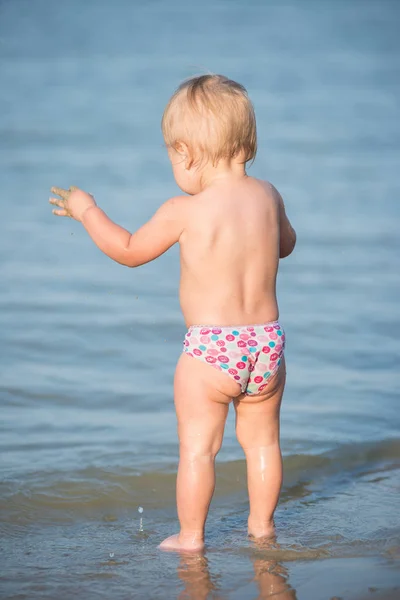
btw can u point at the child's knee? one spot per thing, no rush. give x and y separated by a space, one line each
258 437
200 449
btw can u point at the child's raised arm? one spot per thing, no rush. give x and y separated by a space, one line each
154 238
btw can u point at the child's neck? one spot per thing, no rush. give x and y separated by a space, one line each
224 171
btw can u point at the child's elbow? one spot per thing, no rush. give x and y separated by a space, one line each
126 259
131 263
130 257
121 260
135 261
288 245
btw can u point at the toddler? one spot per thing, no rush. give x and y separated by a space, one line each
232 230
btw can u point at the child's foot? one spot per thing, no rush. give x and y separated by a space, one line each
178 543
261 530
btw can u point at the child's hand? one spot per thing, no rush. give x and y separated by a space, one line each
73 204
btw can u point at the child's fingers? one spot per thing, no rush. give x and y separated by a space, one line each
60 213
57 202
60 192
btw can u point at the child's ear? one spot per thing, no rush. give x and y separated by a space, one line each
184 152
181 148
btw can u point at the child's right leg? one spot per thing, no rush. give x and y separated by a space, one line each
257 429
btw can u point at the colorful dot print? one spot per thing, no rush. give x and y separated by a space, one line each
249 354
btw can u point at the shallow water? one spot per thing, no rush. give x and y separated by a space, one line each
89 348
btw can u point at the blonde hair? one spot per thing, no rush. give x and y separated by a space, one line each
214 117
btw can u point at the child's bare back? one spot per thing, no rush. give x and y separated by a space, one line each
232 230
230 253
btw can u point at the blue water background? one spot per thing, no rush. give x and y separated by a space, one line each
88 348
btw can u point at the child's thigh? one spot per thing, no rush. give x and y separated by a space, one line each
202 397
257 417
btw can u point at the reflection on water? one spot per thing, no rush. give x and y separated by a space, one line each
270 575
272 579
194 572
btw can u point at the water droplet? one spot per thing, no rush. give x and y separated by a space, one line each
140 509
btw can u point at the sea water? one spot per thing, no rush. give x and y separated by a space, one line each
88 348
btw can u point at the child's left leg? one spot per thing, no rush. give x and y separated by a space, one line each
202 396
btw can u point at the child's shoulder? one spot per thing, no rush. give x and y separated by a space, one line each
174 205
267 186
270 190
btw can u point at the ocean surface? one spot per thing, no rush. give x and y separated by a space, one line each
88 348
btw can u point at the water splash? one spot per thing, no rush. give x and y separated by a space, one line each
140 511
